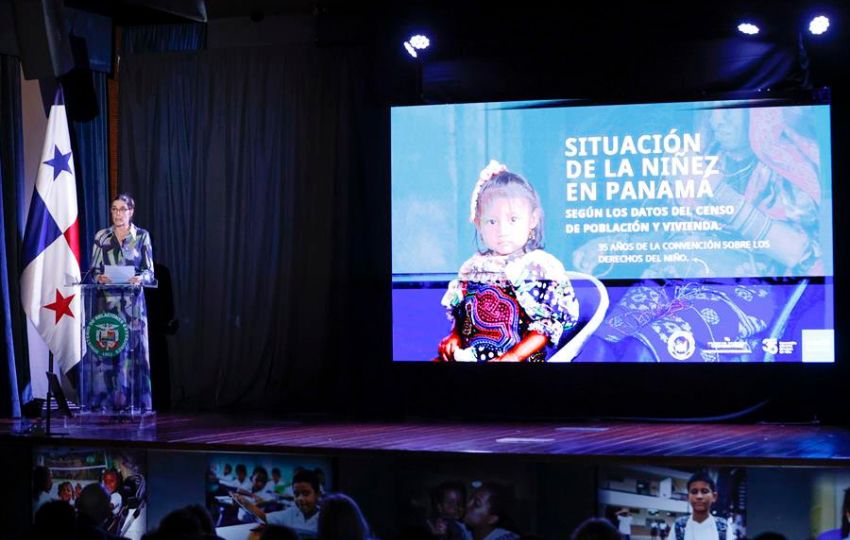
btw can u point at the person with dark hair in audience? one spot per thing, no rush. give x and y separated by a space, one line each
53 521
596 529
487 513
341 519
191 522
304 515
448 501
770 536
845 516
205 520
93 512
278 532
188 523
42 483
700 525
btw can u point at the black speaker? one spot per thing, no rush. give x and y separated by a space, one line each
42 38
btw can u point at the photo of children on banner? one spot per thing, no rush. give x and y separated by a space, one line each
769 174
652 503
117 477
832 521
512 301
290 497
452 505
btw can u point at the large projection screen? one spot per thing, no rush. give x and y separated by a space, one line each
706 228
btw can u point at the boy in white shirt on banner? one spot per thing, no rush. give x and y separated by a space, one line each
700 525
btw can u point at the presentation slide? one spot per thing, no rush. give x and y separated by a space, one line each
664 232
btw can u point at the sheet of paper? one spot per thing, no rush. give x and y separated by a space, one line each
119 273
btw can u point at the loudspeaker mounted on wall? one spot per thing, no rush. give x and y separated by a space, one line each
43 43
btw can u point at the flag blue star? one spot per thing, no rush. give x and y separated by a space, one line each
60 162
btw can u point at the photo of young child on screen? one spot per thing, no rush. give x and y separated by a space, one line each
512 301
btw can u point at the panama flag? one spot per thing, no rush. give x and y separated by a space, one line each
51 251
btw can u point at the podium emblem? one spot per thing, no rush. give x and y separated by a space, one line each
107 334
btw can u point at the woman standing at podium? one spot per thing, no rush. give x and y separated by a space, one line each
123 384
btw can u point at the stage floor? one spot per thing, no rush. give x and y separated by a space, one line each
760 444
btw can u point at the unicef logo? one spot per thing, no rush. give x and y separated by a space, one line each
107 334
681 345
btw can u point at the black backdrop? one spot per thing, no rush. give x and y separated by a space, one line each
263 176
246 166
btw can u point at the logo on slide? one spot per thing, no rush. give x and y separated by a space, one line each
107 334
681 345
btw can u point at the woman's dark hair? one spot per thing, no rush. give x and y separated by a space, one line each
845 509
204 518
341 519
131 204
596 529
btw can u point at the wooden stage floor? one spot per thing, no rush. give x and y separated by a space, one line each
760 444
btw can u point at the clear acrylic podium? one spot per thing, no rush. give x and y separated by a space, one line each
115 377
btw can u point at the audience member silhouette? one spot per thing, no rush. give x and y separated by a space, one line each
53 520
341 519
93 511
277 532
596 529
188 523
770 536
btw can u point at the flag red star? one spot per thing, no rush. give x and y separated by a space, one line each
62 306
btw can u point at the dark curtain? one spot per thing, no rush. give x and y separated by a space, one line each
163 38
89 129
243 163
12 319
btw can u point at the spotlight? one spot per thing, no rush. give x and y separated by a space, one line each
819 25
417 42
748 28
